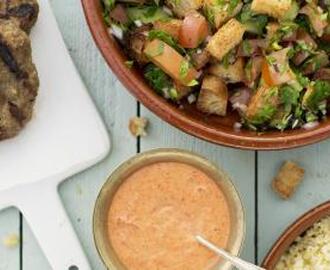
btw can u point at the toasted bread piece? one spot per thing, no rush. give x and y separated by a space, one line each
263 105
279 9
183 7
315 13
137 126
219 14
227 38
232 74
213 97
287 180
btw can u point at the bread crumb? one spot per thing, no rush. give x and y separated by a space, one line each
11 240
138 126
287 180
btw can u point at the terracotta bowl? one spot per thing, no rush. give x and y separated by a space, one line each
296 229
211 128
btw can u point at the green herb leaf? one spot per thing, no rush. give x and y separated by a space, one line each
289 96
167 38
146 14
254 23
193 83
157 78
320 92
232 5
108 4
184 68
129 63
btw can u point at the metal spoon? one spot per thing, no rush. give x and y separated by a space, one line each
239 263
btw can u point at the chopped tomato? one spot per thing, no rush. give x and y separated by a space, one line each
276 69
170 61
266 74
172 27
194 30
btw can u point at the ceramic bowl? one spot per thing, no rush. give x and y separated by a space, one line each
211 128
100 224
291 234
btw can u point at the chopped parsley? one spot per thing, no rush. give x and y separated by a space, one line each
157 78
184 69
167 38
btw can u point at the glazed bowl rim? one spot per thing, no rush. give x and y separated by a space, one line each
298 227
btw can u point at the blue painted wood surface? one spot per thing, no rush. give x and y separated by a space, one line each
252 172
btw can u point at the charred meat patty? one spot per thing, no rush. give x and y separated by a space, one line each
24 12
19 81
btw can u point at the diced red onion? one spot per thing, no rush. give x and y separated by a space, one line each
237 126
208 38
310 125
168 11
242 96
119 14
240 107
138 23
116 31
191 99
199 74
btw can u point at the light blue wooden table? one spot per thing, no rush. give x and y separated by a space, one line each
267 215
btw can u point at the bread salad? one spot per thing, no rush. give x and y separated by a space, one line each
266 59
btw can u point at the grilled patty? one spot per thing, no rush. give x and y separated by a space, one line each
18 79
24 12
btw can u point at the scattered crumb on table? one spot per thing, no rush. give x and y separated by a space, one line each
138 126
288 179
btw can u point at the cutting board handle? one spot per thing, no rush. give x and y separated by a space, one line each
42 208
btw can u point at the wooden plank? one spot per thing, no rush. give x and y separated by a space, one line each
9 228
116 107
275 214
239 165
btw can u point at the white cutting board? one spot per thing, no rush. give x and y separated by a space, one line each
65 136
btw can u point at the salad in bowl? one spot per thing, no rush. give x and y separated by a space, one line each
268 60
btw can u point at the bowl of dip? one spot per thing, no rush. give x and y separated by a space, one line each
305 244
152 206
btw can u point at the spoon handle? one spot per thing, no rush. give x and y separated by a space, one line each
239 263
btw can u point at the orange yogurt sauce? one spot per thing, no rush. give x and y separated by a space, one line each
157 212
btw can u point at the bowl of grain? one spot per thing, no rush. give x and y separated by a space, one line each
305 244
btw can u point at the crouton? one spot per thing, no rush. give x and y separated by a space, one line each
213 97
218 14
182 7
137 126
227 38
171 27
288 179
263 105
279 9
317 18
230 74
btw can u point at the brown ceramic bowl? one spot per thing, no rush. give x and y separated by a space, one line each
296 229
211 128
